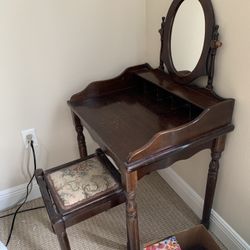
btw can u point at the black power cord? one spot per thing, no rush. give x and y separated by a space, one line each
25 199
22 211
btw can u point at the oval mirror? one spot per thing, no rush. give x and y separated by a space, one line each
188 34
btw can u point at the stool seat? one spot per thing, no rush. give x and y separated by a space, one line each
80 183
79 190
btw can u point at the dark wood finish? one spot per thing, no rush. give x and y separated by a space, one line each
80 137
61 219
146 119
130 183
60 231
201 68
160 124
216 151
215 44
149 125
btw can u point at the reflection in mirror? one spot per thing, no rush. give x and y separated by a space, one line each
188 35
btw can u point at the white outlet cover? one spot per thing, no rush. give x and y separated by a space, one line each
32 132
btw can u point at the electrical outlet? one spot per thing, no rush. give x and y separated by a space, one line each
31 132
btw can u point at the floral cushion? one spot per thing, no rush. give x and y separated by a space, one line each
81 182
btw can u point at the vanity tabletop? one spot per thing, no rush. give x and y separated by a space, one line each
142 113
124 121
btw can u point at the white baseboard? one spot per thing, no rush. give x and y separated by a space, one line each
223 231
10 197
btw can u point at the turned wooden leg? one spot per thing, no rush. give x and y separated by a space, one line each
80 137
216 151
131 212
60 231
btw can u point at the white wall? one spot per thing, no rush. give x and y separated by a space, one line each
232 199
49 50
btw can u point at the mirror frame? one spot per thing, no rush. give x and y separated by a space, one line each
200 69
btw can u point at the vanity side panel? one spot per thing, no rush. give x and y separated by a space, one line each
100 88
212 118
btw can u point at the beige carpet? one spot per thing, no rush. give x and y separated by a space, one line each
161 213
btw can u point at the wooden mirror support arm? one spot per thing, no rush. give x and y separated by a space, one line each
161 31
215 44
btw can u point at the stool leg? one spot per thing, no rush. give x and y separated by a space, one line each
62 237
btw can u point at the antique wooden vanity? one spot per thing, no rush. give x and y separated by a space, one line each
146 119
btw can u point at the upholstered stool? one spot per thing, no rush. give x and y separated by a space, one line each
78 190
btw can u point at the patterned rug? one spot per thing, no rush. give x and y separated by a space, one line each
161 213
